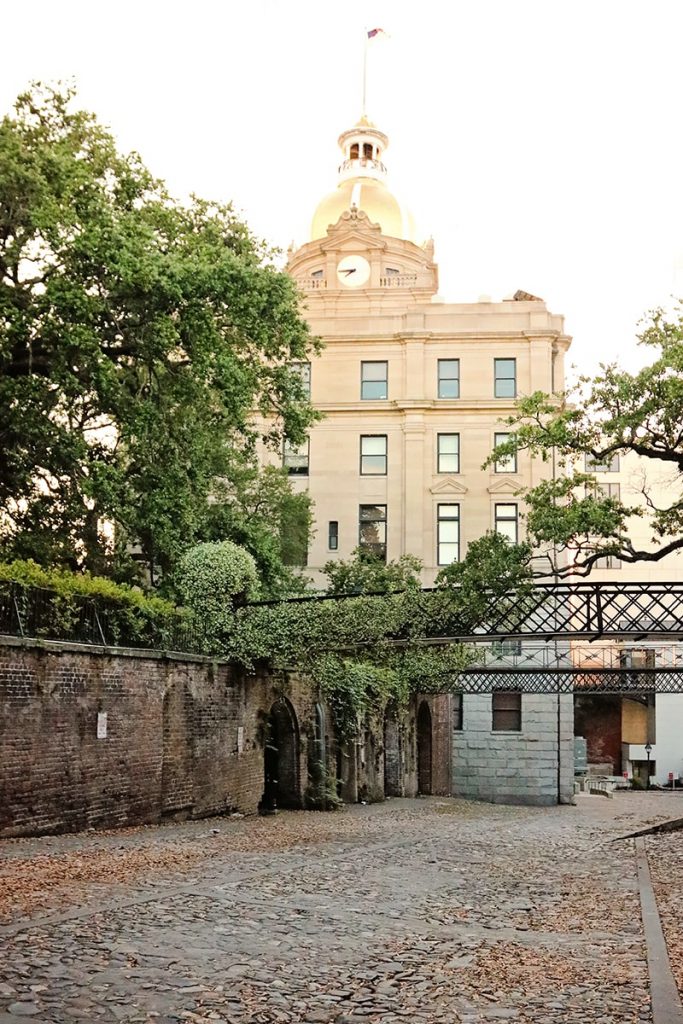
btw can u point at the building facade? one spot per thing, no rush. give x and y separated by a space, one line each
413 389
619 730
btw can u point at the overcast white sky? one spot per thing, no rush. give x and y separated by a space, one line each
538 141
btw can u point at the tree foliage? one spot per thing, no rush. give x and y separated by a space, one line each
213 579
366 573
138 335
613 414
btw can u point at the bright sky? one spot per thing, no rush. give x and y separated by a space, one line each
539 142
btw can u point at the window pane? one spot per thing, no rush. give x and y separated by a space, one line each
449 464
506 529
373 377
449 378
373 465
304 371
505 388
295 458
457 711
509 464
448 531
606 465
448 453
506 511
448 553
374 371
333 535
368 512
448 534
506 709
374 389
373 445
372 528
449 444
505 378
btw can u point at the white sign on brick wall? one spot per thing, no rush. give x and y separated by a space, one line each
101 725
240 739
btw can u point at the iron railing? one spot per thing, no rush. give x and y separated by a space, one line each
37 613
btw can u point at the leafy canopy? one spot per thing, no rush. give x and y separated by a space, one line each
138 336
366 573
611 415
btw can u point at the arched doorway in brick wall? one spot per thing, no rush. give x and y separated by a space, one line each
392 755
176 753
424 749
281 757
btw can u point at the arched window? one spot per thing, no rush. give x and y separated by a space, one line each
353 152
367 150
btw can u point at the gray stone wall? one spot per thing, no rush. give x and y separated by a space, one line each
515 767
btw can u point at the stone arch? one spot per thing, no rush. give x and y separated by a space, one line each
392 755
281 758
424 749
176 751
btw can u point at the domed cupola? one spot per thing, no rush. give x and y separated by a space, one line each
362 184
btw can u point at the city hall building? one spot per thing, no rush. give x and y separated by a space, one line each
413 389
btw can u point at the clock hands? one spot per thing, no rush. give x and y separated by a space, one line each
349 270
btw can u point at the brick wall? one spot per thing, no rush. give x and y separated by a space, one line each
184 738
598 718
515 767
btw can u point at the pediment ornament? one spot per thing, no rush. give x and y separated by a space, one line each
449 487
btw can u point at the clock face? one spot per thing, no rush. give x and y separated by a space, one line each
353 271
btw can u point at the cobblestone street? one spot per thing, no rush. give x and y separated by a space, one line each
430 910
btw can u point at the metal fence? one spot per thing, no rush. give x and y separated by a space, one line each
36 613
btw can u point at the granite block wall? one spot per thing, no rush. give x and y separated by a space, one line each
515 767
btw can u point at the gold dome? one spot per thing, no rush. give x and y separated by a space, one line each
370 196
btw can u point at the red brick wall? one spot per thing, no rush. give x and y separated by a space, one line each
172 738
184 739
598 719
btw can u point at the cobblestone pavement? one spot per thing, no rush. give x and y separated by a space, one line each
665 857
430 910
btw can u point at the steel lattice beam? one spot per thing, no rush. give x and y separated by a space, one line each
571 610
570 680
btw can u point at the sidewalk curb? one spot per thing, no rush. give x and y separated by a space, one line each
666 1003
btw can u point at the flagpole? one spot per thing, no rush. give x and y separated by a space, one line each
365 71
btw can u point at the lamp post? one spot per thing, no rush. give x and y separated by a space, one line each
648 748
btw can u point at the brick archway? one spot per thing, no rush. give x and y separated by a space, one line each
392 755
281 756
424 749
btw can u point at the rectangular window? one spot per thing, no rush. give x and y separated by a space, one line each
506 711
505 377
506 521
304 371
508 464
372 529
608 562
506 648
457 712
608 464
448 534
373 380
448 453
373 455
449 378
637 657
333 535
295 458
598 489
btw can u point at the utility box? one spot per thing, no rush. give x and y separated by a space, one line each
580 755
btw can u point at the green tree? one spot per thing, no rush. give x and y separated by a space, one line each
138 338
366 573
258 510
607 416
